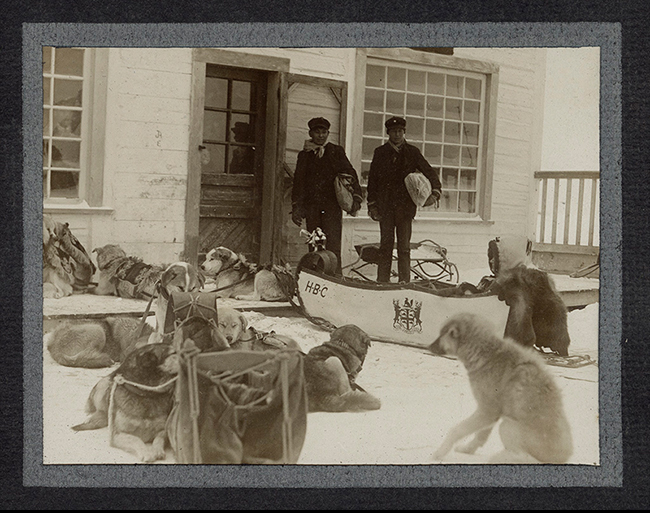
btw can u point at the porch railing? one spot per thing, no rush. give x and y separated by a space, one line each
568 211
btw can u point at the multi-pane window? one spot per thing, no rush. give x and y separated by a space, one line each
444 111
63 118
232 111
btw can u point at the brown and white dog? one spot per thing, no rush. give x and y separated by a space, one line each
177 277
237 278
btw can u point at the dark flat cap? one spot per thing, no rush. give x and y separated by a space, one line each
395 122
318 123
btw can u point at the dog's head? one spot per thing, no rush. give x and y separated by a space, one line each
232 324
219 258
107 255
180 277
151 365
353 337
458 330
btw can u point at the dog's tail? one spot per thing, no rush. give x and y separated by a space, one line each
97 406
355 400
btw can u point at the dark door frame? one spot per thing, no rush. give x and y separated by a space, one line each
276 67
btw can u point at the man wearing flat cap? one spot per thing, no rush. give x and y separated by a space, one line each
314 196
389 201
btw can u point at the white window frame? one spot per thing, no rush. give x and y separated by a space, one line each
423 61
93 120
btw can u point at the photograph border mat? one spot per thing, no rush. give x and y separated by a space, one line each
607 36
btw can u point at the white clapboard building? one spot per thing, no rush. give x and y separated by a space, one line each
169 152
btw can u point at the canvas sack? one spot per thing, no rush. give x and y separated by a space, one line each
419 188
344 191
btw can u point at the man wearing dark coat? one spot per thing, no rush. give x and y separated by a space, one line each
314 196
389 201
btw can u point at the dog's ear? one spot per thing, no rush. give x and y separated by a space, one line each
244 321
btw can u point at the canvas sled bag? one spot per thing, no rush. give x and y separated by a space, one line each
235 407
419 188
344 191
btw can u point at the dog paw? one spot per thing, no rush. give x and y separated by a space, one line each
152 453
468 448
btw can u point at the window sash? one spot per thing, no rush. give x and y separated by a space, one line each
460 154
51 109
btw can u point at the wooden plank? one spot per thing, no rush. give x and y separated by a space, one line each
565 248
229 211
592 211
240 59
556 193
281 169
567 174
192 212
223 179
270 167
319 82
567 212
581 196
427 59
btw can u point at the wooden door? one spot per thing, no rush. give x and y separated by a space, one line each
232 160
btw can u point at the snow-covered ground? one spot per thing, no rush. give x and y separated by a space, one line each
422 396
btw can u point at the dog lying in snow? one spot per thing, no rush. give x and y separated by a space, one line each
237 278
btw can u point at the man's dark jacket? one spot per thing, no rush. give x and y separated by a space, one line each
386 189
313 182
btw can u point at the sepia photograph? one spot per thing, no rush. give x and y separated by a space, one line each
306 256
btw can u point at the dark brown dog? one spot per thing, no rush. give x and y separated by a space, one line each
538 316
331 370
138 396
96 343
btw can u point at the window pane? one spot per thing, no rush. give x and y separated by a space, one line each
449 201
469 157
472 88
415 105
373 124
242 129
449 179
46 122
467 180
435 106
434 130
214 126
415 129
67 123
365 171
417 81
397 78
453 109
452 132
241 95
69 61
454 86
47 59
375 76
470 134
432 153
472 111
216 161
241 160
64 184
68 92
467 202
436 83
368 147
66 154
395 103
450 155
46 153
216 92
46 92
374 100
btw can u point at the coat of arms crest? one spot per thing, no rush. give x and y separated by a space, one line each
407 315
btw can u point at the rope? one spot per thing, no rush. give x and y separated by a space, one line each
318 321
